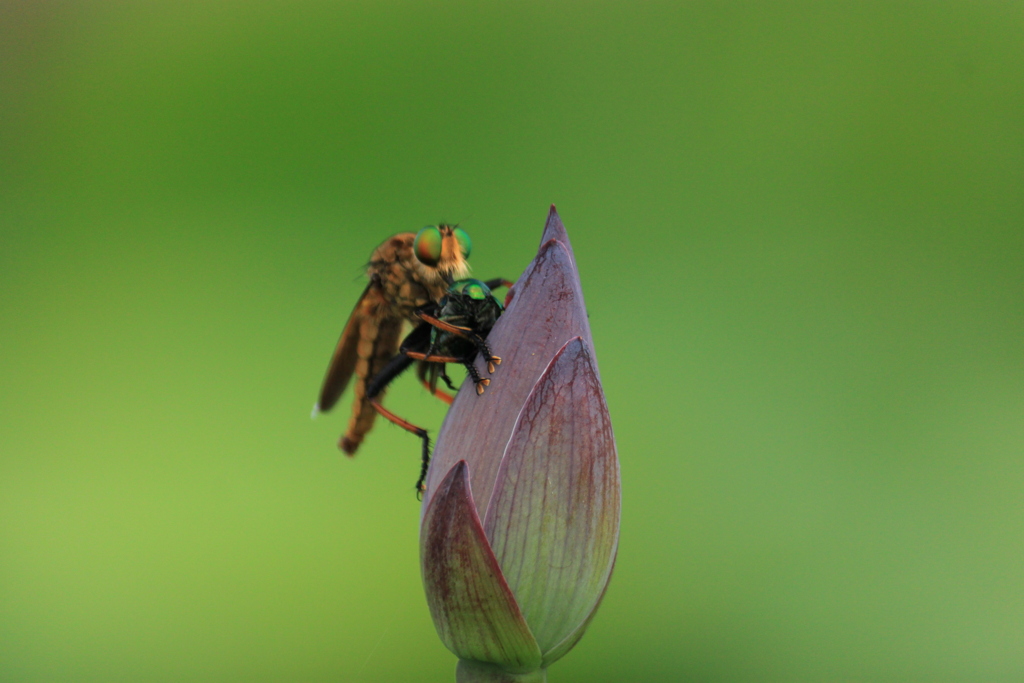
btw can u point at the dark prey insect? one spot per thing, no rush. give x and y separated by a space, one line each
455 334
409 273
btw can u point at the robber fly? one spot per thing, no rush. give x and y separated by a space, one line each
409 275
455 334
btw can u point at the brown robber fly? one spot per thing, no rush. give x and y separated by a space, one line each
410 274
454 331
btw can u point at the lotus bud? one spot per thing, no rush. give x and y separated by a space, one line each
521 512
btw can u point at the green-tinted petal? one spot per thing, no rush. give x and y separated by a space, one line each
569 642
553 521
474 611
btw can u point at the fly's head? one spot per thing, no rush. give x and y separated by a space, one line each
441 253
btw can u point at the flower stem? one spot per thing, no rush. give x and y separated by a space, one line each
479 672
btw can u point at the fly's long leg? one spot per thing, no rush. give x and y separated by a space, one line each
419 338
439 393
394 368
418 431
446 327
501 282
480 382
428 374
447 379
485 351
469 334
379 382
498 282
416 355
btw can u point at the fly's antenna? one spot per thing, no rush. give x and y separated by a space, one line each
465 219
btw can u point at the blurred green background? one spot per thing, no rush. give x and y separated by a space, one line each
800 230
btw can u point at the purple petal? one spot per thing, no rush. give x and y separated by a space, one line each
546 312
474 611
553 520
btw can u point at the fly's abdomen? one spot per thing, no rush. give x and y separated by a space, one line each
378 343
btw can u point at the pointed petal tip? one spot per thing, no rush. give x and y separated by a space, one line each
458 475
578 347
554 229
456 478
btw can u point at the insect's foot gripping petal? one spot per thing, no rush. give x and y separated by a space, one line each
481 384
493 361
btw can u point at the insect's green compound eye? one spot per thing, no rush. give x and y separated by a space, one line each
464 242
427 246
